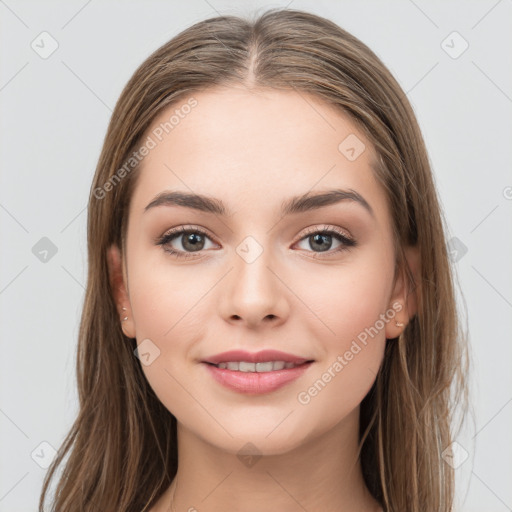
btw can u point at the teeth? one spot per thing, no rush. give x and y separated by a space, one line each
268 366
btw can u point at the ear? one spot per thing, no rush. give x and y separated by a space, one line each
405 293
119 288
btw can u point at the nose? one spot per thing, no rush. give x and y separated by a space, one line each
254 294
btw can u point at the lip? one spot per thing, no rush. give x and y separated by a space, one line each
256 383
255 357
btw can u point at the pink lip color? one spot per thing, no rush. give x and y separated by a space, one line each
256 382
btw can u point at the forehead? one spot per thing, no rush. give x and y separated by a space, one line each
254 148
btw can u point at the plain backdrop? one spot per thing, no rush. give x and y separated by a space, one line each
453 59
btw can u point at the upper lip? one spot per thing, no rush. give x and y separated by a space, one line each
255 357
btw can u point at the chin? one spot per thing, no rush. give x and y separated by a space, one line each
256 437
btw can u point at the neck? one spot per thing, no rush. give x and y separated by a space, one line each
323 473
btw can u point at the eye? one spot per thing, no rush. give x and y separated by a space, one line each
321 240
190 239
194 240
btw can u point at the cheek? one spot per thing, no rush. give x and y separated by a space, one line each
351 312
169 319
346 300
160 307
355 309
163 299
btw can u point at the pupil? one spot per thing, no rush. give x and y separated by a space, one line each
318 239
194 244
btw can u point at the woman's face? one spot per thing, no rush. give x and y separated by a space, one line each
311 278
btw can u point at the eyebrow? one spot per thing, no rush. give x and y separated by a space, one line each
298 204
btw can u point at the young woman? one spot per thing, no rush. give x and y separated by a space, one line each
269 321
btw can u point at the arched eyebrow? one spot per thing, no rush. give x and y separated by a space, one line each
298 204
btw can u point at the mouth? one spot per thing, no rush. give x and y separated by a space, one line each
266 366
256 378
263 356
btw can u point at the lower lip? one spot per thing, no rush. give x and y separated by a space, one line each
256 382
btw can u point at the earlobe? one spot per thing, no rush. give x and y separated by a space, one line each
119 290
405 293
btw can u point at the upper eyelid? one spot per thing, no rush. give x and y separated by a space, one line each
186 229
326 228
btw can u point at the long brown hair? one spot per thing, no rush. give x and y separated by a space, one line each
122 447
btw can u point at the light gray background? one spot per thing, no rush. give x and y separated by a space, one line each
54 114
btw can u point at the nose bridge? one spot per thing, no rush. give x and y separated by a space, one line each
254 291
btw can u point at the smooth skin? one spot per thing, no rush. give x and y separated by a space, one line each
253 149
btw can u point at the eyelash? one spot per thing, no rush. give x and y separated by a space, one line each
347 243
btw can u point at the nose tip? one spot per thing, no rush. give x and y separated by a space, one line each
254 295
